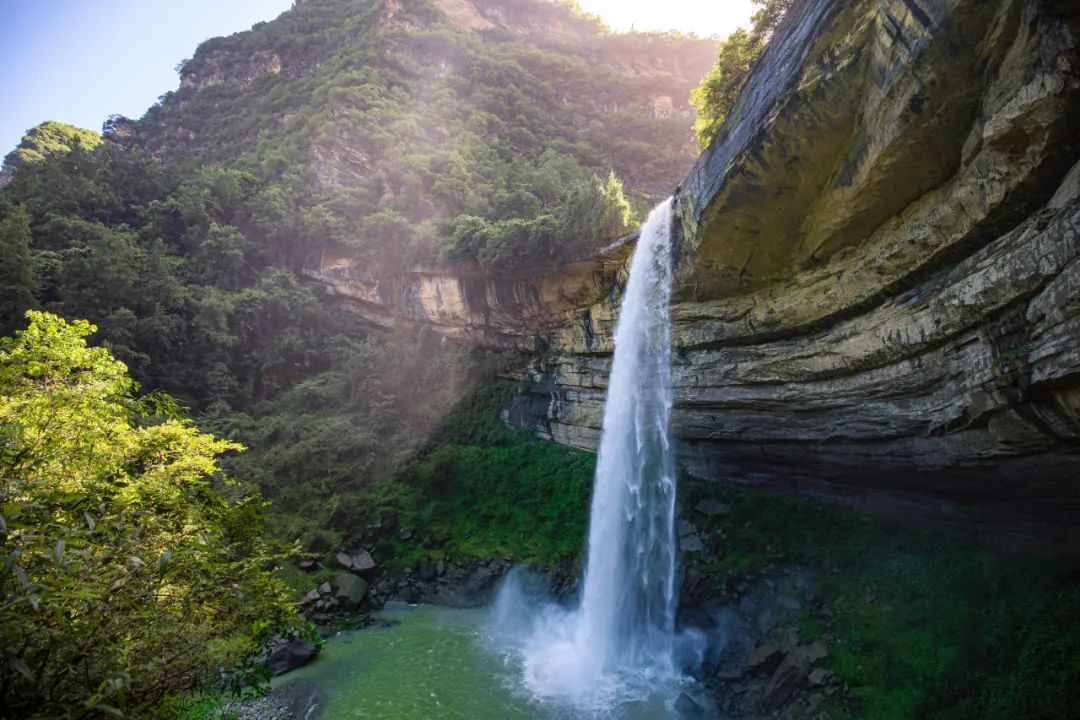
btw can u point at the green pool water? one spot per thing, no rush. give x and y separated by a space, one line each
438 664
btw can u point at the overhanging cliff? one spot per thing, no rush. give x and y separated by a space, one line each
878 271
878 266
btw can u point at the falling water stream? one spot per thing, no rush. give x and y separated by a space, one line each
620 639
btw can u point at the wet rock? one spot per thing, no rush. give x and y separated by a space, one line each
711 508
790 603
691 543
293 654
689 708
362 561
425 569
792 673
351 590
763 660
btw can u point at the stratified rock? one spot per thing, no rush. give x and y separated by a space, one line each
351 590
293 654
878 272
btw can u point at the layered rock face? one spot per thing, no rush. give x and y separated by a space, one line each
879 265
498 313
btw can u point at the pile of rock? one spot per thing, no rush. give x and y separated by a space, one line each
345 593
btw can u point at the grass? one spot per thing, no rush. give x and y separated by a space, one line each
492 491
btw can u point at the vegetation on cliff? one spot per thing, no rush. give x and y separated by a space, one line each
46 139
132 570
918 624
714 98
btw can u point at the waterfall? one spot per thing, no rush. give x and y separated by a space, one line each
628 601
624 625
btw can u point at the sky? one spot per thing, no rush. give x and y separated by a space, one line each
79 61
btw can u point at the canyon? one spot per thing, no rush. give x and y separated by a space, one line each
876 294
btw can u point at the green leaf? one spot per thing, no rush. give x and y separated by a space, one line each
20 667
21 575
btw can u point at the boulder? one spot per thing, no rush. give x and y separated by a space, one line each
351 590
689 708
819 677
344 559
362 561
425 569
293 654
691 543
763 660
711 508
792 673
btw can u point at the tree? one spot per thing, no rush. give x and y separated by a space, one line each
48 138
714 98
17 283
131 569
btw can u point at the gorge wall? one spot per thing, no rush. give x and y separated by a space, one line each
878 270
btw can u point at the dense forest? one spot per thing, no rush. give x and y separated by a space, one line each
381 130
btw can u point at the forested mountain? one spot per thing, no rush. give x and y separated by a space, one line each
503 135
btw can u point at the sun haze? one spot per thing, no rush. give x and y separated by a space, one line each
720 17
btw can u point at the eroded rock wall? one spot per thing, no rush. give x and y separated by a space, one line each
878 271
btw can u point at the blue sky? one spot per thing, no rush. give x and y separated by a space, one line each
79 61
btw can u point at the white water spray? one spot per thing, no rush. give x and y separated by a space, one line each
625 624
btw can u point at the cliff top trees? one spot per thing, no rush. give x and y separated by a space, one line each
716 95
